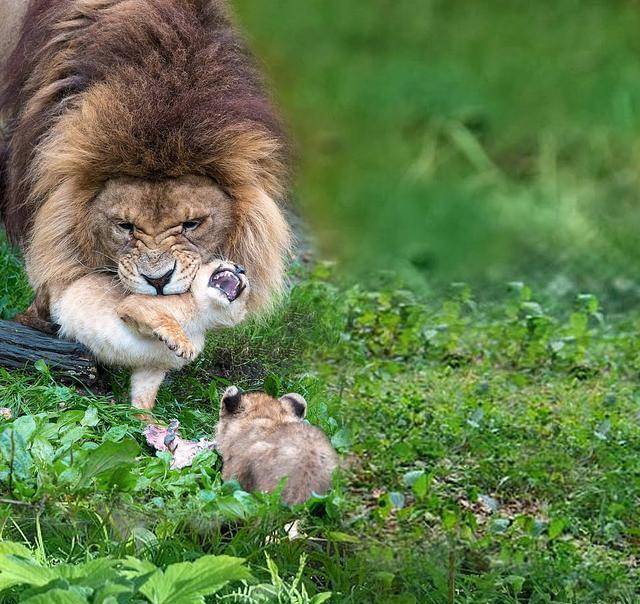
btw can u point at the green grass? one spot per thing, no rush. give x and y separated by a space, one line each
491 450
458 142
489 430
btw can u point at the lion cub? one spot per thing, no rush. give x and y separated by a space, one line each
263 439
150 334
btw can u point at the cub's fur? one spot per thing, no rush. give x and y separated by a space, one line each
137 137
152 335
263 439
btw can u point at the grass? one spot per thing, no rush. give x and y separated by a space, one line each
489 428
455 143
491 450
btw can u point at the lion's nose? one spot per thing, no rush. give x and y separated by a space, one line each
160 282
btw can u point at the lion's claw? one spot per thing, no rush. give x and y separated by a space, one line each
182 347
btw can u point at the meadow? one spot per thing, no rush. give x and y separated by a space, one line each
465 332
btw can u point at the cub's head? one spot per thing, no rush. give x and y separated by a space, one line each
156 234
253 406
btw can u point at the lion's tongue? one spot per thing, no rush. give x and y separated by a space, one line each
227 282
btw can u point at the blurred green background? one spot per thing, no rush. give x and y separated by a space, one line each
464 141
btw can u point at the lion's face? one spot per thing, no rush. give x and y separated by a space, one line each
156 234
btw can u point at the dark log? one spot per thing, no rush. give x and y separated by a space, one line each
21 347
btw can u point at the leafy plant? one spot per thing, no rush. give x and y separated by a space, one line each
108 580
278 590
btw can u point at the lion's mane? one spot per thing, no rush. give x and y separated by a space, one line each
153 89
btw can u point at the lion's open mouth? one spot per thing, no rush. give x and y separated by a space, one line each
228 282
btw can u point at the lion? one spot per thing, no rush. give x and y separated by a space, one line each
150 334
263 439
139 141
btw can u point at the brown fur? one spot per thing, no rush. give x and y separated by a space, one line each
156 106
263 440
150 334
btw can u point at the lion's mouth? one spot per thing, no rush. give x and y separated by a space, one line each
228 282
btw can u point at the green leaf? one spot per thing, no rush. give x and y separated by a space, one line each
403 451
90 417
73 435
418 481
320 598
25 426
93 573
108 593
115 433
449 519
385 577
22 571
134 568
420 486
189 582
109 456
271 384
338 537
556 526
41 366
516 582
341 439
56 596
10 547
212 392
122 478
13 448
42 450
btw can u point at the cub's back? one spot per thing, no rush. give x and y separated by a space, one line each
298 451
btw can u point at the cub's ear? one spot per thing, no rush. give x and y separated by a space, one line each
230 401
296 403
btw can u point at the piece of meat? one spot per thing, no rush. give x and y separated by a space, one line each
165 438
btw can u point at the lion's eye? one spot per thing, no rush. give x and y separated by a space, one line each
191 225
126 226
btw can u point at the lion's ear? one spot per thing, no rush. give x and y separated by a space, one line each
296 403
231 399
261 242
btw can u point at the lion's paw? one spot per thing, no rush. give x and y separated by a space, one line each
179 344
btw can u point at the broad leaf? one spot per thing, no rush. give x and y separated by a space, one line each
11 547
418 481
110 591
93 573
25 426
189 582
341 439
13 448
57 596
109 456
556 526
42 451
134 567
90 417
22 571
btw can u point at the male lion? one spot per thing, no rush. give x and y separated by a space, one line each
138 140
152 335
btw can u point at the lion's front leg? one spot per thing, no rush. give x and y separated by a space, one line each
149 318
144 388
